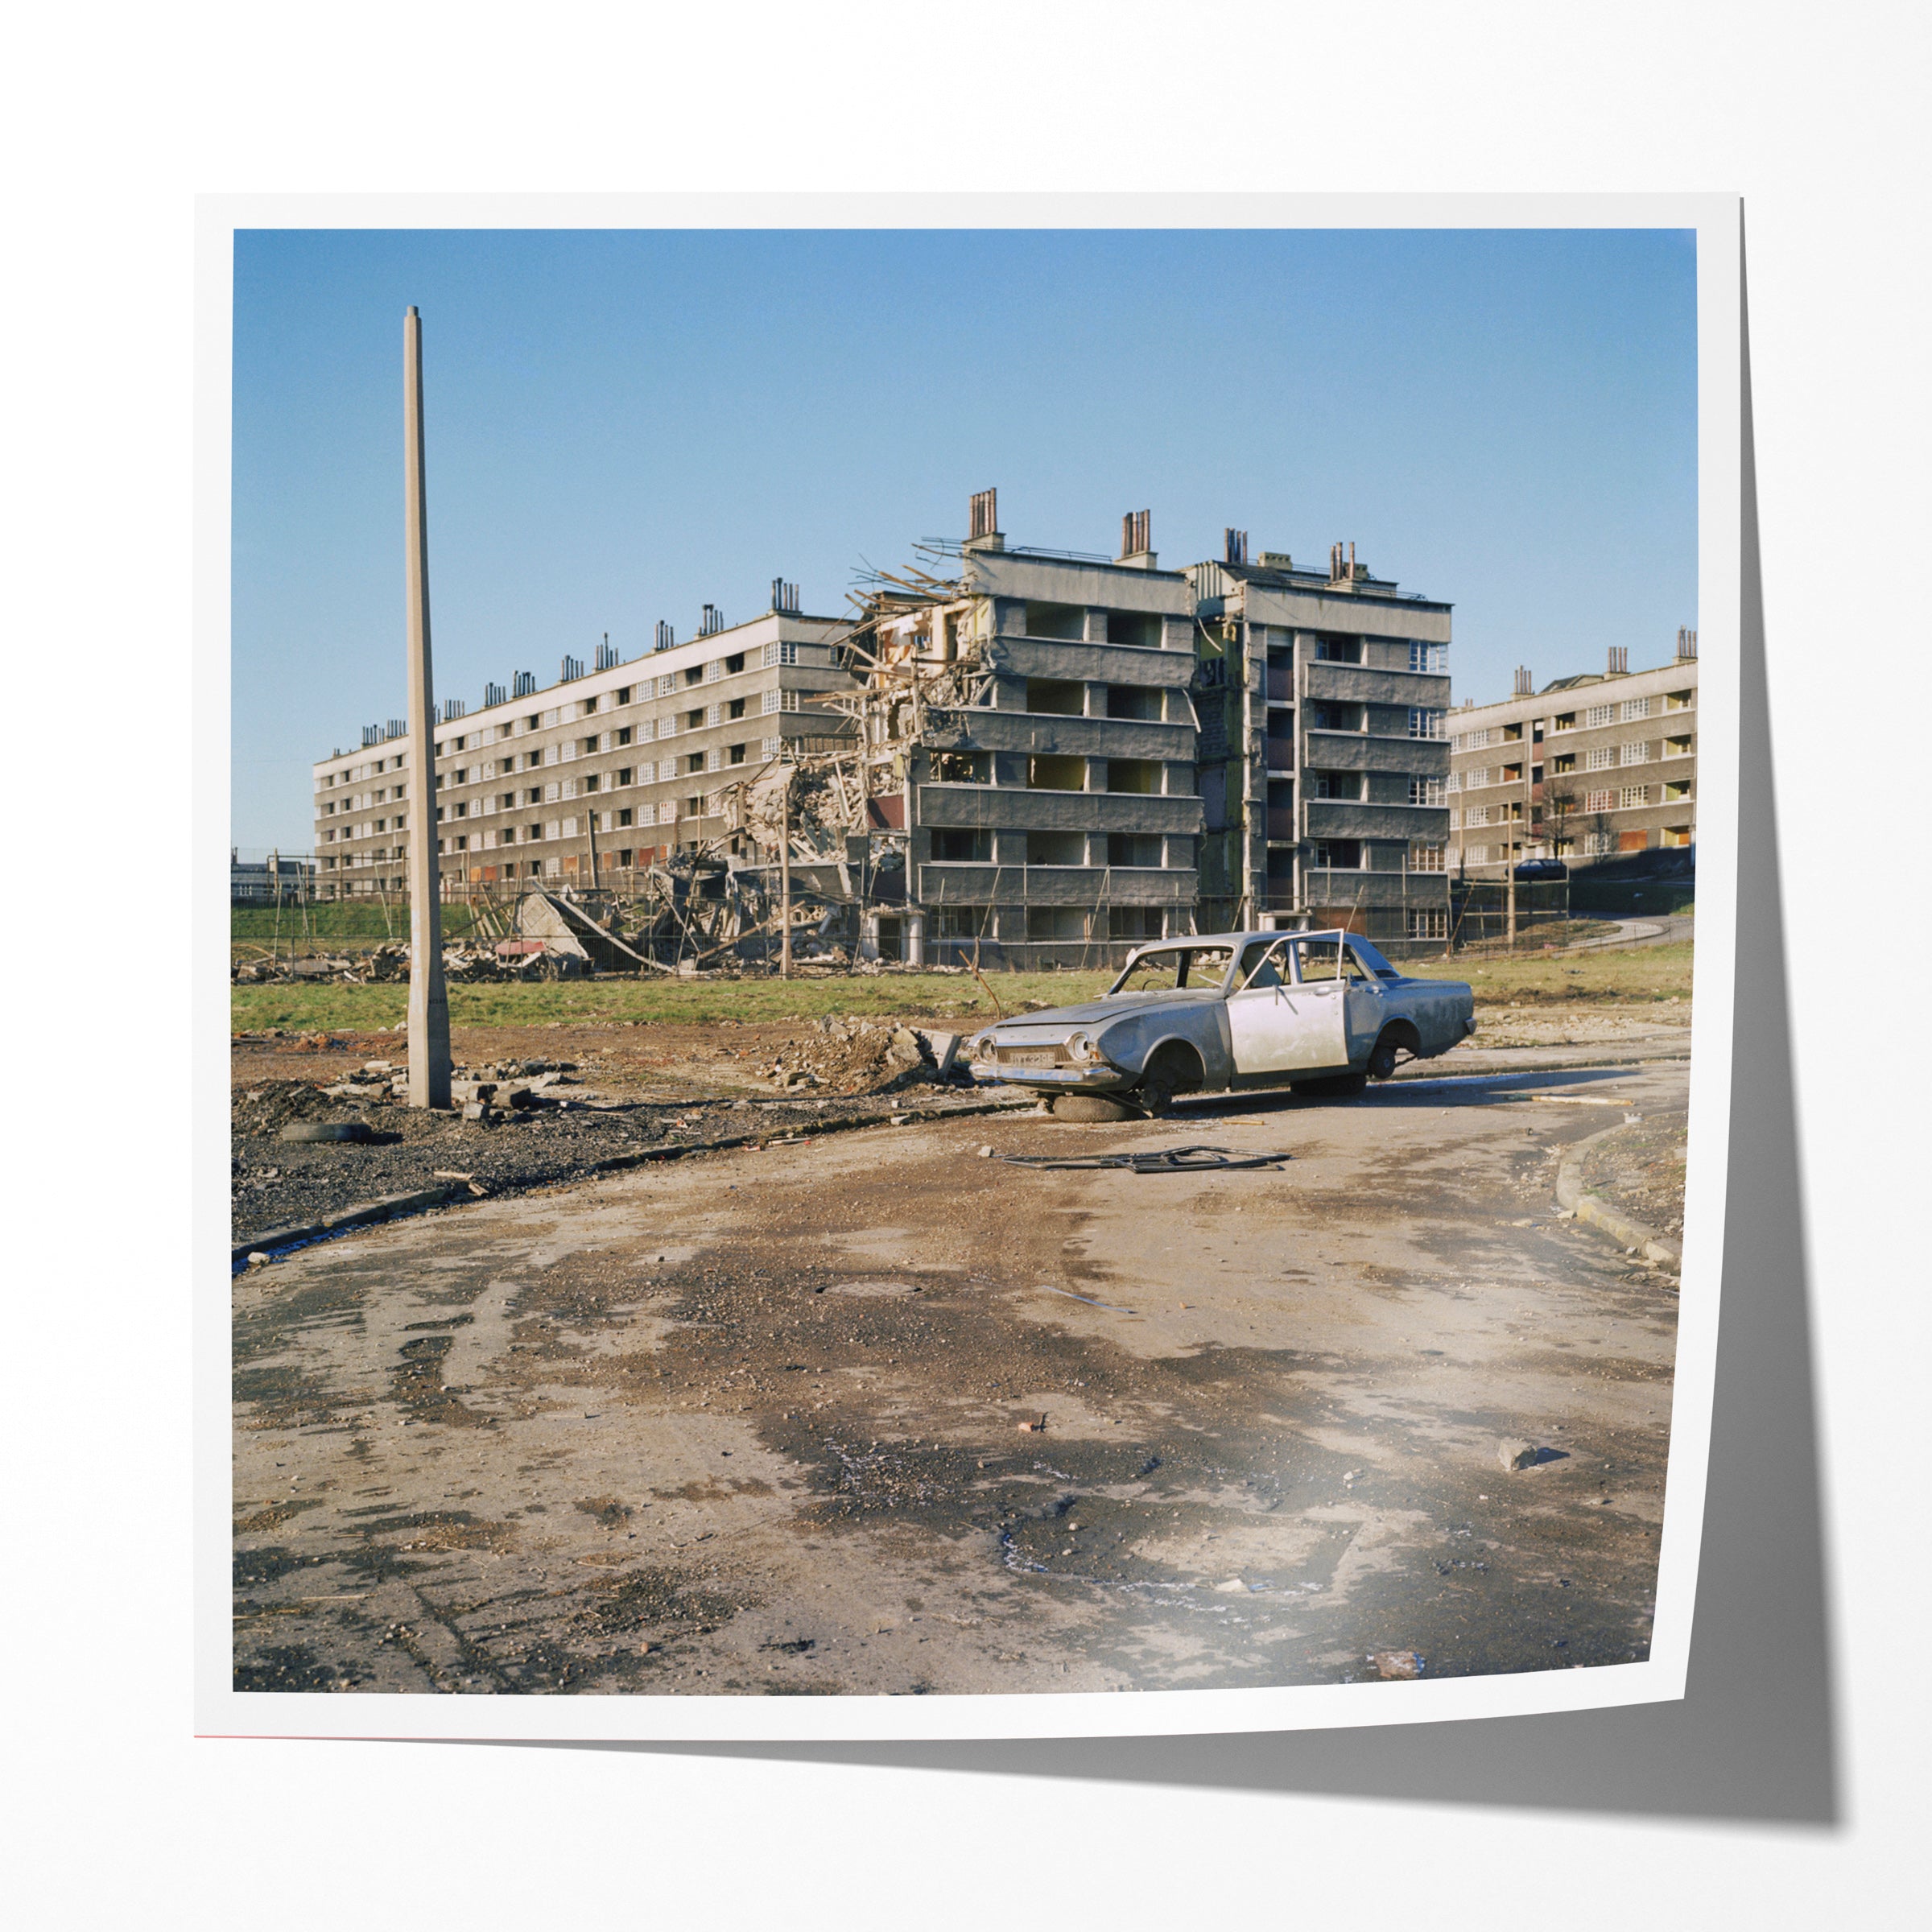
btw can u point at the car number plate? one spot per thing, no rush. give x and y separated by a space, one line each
1027 1056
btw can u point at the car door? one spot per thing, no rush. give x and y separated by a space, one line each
1367 1006
1277 1022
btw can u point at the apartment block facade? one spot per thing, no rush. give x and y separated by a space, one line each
596 775
1323 697
1058 808
1588 768
1057 755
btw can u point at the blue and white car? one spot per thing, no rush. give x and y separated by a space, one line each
1316 1012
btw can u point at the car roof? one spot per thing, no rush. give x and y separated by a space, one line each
1241 938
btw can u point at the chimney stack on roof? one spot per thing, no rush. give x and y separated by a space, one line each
1687 645
1137 538
1342 568
1526 685
983 518
1619 661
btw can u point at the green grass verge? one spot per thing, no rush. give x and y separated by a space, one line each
1637 974
687 1002
1634 974
357 922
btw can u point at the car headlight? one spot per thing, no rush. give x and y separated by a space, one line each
980 1047
1081 1050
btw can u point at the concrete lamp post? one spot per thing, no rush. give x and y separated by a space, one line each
428 1001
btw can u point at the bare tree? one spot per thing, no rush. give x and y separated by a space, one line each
1560 806
1602 833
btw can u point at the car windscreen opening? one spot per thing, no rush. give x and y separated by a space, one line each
1172 968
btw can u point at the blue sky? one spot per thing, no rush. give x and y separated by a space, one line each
623 426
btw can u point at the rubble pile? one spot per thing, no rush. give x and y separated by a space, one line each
850 1056
507 959
269 1108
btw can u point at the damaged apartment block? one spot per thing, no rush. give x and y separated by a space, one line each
1002 756
1323 755
1029 746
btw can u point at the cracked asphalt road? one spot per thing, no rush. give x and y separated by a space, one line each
750 1424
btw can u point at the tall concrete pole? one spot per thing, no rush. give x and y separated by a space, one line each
428 1002
784 879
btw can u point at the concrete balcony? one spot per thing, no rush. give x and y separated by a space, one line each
1044 732
1017 808
1365 751
1337 887
984 885
1358 684
1089 663
1344 819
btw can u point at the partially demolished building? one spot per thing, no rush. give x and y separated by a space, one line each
1031 746
1002 756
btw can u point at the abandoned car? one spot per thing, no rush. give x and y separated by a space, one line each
1319 1011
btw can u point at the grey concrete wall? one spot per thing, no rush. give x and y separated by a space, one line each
1356 684
1009 574
1089 663
969 885
1016 807
1356 751
1331 819
1055 733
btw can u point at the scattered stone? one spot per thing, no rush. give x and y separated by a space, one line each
1515 1454
1232 1586
324 1130
1399 1664
1036 1427
479 1110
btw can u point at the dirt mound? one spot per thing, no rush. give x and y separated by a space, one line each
270 1106
855 1056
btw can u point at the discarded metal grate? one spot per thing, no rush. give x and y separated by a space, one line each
1161 1160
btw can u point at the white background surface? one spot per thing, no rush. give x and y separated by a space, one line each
119 118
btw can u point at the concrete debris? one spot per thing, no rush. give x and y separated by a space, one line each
1397 1664
1516 1454
851 1055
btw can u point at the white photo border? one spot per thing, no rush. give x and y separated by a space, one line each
221 1711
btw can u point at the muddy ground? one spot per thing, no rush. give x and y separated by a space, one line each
615 1091
623 1088
751 1422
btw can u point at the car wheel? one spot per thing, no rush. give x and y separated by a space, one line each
1154 1097
1381 1059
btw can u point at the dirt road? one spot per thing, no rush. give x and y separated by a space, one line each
750 1423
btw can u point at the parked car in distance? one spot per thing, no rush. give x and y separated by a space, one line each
1541 869
1317 1012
